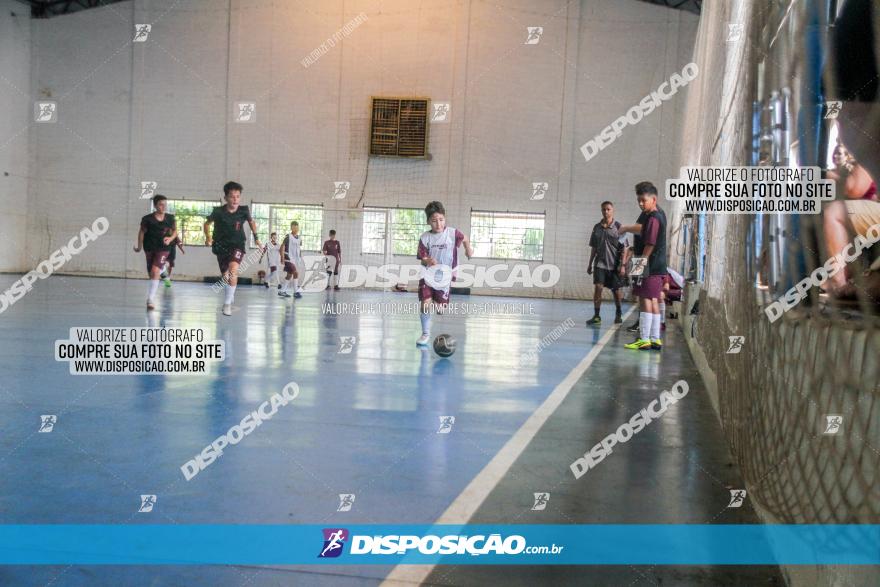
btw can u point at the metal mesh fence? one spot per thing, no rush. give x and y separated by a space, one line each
799 403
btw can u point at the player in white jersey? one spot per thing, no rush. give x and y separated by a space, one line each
291 252
438 253
272 252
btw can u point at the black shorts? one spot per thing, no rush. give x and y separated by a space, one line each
607 277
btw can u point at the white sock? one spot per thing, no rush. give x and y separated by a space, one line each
655 326
286 285
154 287
426 323
645 320
230 294
663 312
295 283
271 275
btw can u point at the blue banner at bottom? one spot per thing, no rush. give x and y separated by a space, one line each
629 544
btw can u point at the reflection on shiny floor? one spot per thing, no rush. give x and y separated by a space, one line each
365 423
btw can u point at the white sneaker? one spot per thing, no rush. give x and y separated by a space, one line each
151 305
227 309
299 289
423 340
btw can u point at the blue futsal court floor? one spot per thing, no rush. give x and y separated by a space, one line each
364 423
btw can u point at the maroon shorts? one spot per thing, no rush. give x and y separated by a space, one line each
156 259
650 287
673 295
290 268
426 292
233 256
272 268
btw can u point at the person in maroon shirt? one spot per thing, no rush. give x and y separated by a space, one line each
333 248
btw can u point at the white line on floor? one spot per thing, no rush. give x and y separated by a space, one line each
472 497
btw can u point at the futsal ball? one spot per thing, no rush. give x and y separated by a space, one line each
444 345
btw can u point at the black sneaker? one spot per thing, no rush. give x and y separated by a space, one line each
633 327
594 321
618 319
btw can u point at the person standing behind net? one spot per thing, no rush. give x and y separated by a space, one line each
272 251
606 249
291 253
333 248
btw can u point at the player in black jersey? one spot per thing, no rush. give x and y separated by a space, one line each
649 243
158 230
227 240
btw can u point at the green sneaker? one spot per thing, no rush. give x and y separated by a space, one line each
657 344
594 321
640 344
167 282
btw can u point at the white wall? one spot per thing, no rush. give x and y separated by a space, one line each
162 110
79 165
15 117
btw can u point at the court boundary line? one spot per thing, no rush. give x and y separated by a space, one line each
466 504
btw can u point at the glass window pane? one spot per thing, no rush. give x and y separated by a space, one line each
260 214
408 224
508 235
310 218
190 216
374 232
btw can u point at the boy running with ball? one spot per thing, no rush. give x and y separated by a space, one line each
227 240
438 254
